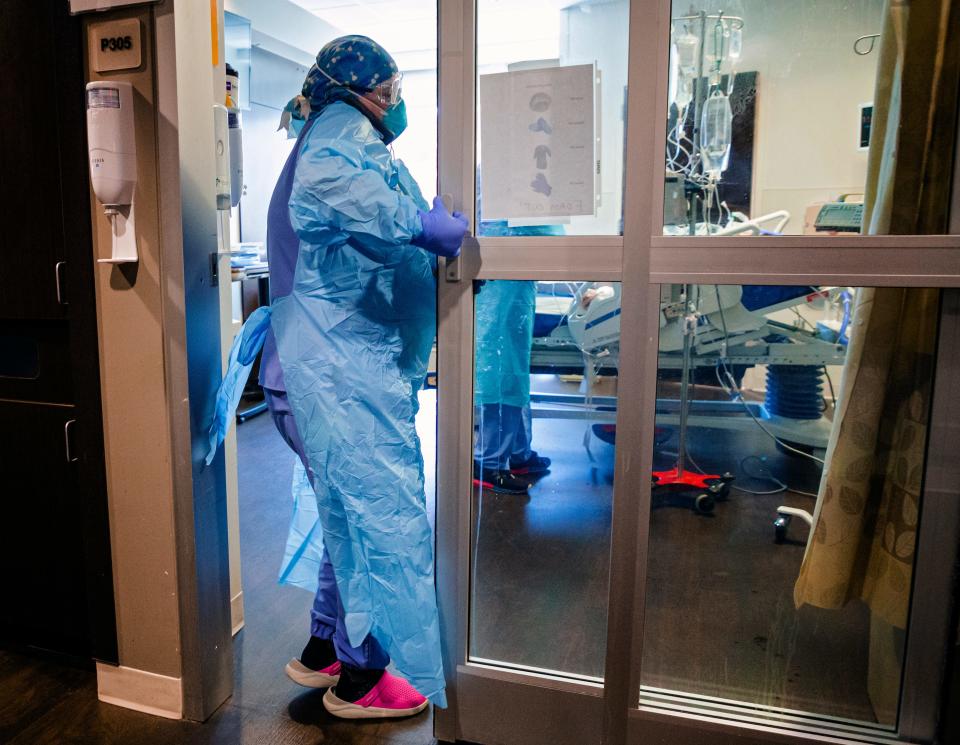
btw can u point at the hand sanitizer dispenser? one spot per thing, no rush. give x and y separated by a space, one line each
113 162
235 136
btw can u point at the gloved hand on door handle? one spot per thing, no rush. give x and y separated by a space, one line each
442 232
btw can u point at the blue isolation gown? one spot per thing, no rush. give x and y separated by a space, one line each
354 338
505 312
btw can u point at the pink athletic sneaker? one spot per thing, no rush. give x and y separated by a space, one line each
303 675
390 697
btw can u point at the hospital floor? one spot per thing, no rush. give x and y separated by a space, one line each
720 615
45 703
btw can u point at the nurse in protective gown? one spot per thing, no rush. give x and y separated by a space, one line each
350 337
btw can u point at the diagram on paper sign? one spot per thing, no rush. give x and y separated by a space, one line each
541 155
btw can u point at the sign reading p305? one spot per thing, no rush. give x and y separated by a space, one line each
116 43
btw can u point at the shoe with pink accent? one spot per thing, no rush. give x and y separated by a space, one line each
390 697
303 675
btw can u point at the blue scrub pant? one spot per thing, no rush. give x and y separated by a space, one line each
327 615
502 432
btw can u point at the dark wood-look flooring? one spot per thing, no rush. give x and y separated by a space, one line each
44 702
720 619
720 615
542 562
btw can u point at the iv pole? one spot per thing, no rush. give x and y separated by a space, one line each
707 488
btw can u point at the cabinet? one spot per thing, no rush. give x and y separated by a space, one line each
55 567
30 190
45 601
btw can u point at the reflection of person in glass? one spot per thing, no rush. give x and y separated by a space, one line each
504 460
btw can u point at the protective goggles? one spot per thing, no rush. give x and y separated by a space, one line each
388 92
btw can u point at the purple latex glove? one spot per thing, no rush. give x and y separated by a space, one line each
442 232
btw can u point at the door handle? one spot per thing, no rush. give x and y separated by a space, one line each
68 449
452 272
61 298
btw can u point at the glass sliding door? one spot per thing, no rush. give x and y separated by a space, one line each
809 407
800 316
693 372
532 147
544 444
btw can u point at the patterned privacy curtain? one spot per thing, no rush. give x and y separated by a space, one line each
862 545
865 521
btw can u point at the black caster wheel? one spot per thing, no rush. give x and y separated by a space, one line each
724 486
704 503
718 491
780 527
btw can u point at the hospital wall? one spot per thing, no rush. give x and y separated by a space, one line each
280 23
274 80
158 376
134 310
810 85
581 30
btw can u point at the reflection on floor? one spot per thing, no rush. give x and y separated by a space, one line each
720 614
541 573
721 619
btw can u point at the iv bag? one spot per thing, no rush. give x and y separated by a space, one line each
684 92
715 134
688 47
674 74
735 43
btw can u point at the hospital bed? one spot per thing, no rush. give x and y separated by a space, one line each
732 331
707 332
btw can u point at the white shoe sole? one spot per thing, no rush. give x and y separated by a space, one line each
303 675
347 710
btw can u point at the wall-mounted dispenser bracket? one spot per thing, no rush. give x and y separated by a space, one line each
111 140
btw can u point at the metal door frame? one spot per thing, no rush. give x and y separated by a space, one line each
490 704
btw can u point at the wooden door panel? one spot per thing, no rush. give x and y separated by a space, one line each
35 363
41 539
30 192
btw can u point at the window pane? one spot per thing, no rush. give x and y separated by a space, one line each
545 389
778 408
772 107
550 128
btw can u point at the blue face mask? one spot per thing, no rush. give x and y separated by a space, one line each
394 121
389 122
